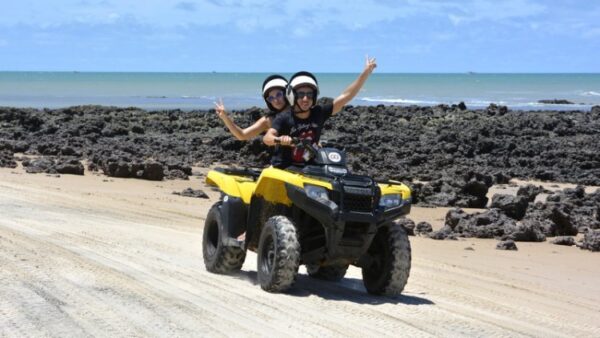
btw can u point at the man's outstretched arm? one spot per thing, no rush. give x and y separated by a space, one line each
350 92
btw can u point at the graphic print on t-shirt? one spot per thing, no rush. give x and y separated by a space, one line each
287 123
298 153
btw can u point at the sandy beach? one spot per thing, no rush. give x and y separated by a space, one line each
103 256
376 169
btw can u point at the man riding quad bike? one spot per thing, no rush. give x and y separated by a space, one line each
319 215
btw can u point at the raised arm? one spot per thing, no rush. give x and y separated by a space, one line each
350 92
241 134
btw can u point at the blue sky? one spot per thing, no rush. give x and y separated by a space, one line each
283 36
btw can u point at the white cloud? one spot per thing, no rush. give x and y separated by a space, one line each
348 13
455 19
569 21
494 11
305 17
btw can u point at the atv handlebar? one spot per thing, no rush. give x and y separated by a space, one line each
306 144
296 142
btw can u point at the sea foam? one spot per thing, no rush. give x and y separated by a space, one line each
398 100
590 93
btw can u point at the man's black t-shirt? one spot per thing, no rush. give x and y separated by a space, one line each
310 128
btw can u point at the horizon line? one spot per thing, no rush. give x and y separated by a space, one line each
291 72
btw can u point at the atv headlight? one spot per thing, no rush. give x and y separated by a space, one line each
390 200
316 192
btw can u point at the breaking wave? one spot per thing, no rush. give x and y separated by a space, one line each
590 93
398 100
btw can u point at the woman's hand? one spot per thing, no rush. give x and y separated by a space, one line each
220 109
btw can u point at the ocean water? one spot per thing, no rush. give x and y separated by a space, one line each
189 91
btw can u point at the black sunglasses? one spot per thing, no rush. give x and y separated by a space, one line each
310 94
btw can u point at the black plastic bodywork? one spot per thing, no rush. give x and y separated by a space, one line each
341 229
233 219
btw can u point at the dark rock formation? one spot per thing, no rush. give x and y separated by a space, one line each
591 241
408 225
7 159
39 165
467 190
531 191
488 224
492 223
423 228
513 206
555 101
457 152
527 232
69 166
189 192
507 245
566 213
444 233
563 240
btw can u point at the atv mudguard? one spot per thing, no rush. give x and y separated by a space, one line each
272 181
237 186
393 187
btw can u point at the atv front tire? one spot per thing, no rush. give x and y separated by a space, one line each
219 258
390 261
331 273
278 255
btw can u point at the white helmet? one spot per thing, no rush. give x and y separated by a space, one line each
272 82
298 80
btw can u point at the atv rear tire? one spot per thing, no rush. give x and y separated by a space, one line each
328 273
219 258
390 267
278 255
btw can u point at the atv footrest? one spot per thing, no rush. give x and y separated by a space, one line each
230 241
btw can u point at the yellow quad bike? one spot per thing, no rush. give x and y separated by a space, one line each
319 215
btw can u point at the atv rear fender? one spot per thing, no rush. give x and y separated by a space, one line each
232 185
